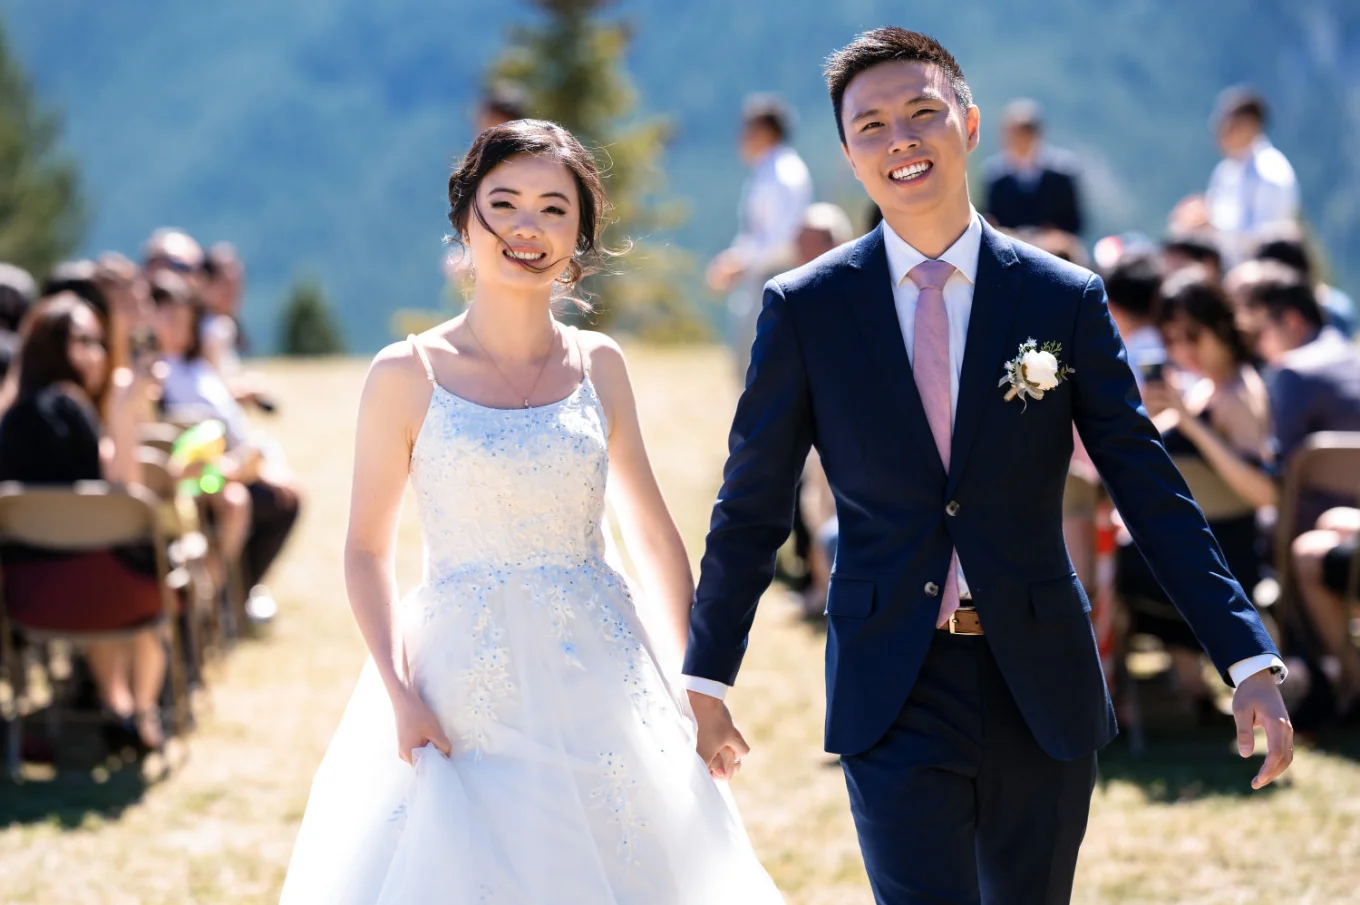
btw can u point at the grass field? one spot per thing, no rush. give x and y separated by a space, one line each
1179 825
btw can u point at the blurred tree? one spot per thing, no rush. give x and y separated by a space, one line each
42 215
570 64
307 324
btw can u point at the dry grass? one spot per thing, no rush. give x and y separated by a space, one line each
1176 827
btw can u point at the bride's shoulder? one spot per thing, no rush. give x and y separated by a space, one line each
601 350
397 373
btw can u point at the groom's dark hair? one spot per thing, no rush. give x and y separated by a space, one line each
886 45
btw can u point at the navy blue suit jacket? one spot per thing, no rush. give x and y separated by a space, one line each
829 368
1053 200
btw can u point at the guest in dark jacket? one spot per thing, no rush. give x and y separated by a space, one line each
52 434
1030 184
1313 375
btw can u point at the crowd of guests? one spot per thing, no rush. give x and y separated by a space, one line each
1240 350
93 357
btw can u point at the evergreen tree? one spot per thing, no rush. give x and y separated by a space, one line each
570 64
42 215
307 325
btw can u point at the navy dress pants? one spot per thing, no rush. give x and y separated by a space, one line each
958 803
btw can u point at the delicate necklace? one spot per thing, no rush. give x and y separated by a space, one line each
541 368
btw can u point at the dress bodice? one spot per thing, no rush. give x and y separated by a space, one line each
510 489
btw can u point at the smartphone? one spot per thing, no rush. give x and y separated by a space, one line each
1152 371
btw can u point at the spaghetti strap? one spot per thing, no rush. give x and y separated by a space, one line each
424 359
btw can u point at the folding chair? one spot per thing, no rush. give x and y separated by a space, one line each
158 435
87 516
1327 462
188 549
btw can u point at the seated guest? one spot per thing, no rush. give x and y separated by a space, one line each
17 293
1284 243
1237 285
52 435
1030 184
1055 242
1192 249
193 387
1314 373
1323 559
1132 286
1213 412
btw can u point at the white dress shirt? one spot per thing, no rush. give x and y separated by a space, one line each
772 205
958 302
1249 194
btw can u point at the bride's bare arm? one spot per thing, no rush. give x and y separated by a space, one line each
649 531
390 412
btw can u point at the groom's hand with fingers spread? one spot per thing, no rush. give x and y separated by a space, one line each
720 744
1257 702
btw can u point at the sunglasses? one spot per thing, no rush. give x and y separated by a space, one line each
173 264
88 340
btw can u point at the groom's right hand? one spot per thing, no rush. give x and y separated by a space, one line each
720 744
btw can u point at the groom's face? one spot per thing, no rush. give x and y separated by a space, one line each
908 138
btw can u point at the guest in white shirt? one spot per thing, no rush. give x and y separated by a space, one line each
1253 187
773 200
257 476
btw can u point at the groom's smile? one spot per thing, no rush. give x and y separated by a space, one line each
911 172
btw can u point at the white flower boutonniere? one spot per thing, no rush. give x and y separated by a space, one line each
1035 371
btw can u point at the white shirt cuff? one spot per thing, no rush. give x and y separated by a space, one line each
710 687
1242 670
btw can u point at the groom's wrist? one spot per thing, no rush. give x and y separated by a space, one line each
709 687
1245 669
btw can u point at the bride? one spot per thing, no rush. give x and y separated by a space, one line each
514 738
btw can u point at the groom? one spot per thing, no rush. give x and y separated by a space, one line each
964 689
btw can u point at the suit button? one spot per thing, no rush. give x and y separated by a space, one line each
952 508
932 589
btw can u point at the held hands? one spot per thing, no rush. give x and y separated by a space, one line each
1257 702
720 745
417 726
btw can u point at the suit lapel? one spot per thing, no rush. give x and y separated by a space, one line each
875 313
984 353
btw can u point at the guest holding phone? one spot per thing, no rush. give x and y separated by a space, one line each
1214 414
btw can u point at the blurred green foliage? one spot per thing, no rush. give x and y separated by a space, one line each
307 325
42 214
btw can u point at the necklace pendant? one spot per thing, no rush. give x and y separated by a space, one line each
526 403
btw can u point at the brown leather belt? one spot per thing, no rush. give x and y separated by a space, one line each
965 621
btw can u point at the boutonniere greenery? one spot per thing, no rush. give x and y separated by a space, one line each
1034 372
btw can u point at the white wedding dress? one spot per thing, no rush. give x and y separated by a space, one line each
573 778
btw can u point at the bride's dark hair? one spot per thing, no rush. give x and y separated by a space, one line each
539 138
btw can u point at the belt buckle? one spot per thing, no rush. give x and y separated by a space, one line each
964 604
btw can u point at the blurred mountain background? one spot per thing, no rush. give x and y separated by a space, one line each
317 134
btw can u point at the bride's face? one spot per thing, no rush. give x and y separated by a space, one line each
531 204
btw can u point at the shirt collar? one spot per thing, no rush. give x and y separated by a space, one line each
963 254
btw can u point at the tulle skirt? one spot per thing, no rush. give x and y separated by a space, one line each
573 777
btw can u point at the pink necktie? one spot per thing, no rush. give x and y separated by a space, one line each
930 365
